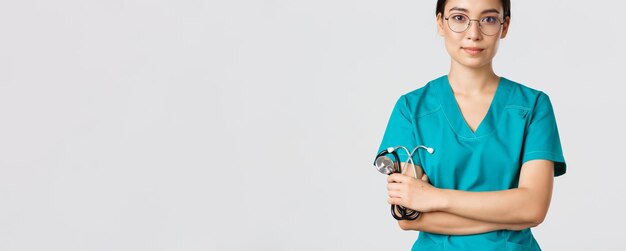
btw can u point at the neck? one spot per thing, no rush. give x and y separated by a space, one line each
467 80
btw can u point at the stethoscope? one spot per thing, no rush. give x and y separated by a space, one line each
387 166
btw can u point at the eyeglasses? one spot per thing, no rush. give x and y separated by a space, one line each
489 25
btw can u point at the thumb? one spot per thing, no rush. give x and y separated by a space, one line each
425 178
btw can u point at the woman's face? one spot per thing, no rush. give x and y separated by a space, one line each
472 48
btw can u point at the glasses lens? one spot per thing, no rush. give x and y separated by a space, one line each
490 25
458 22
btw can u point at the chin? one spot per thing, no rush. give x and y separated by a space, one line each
472 62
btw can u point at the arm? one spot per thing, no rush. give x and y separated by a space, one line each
447 223
527 204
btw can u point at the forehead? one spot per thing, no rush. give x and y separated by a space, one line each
474 6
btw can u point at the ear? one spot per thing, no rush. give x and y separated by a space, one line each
505 27
440 24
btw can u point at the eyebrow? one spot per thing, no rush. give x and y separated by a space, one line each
466 11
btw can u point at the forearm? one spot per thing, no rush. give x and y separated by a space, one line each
513 206
450 224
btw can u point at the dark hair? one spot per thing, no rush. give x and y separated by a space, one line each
506 6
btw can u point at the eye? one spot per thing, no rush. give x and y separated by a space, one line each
490 20
459 18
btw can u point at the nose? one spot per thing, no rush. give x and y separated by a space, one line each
473 31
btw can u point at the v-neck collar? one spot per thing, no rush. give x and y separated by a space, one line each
455 117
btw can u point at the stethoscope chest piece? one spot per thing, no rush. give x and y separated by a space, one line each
385 165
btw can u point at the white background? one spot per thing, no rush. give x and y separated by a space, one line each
251 125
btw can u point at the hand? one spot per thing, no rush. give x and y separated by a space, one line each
416 194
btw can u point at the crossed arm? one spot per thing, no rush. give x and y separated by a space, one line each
457 212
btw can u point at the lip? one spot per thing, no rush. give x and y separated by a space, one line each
472 50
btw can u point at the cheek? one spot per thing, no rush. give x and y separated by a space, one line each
452 41
493 48
452 48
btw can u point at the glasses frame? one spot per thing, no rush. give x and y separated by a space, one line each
469 23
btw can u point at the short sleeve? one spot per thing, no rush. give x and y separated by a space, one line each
400 131
542 136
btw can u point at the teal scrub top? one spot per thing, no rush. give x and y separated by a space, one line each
519 126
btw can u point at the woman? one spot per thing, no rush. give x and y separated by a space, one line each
496 143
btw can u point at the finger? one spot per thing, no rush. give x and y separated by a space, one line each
393 187
396 177
394 201
394 194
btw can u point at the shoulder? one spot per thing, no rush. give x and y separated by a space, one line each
523 96
423 100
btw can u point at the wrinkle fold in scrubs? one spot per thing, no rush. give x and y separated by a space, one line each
519 126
